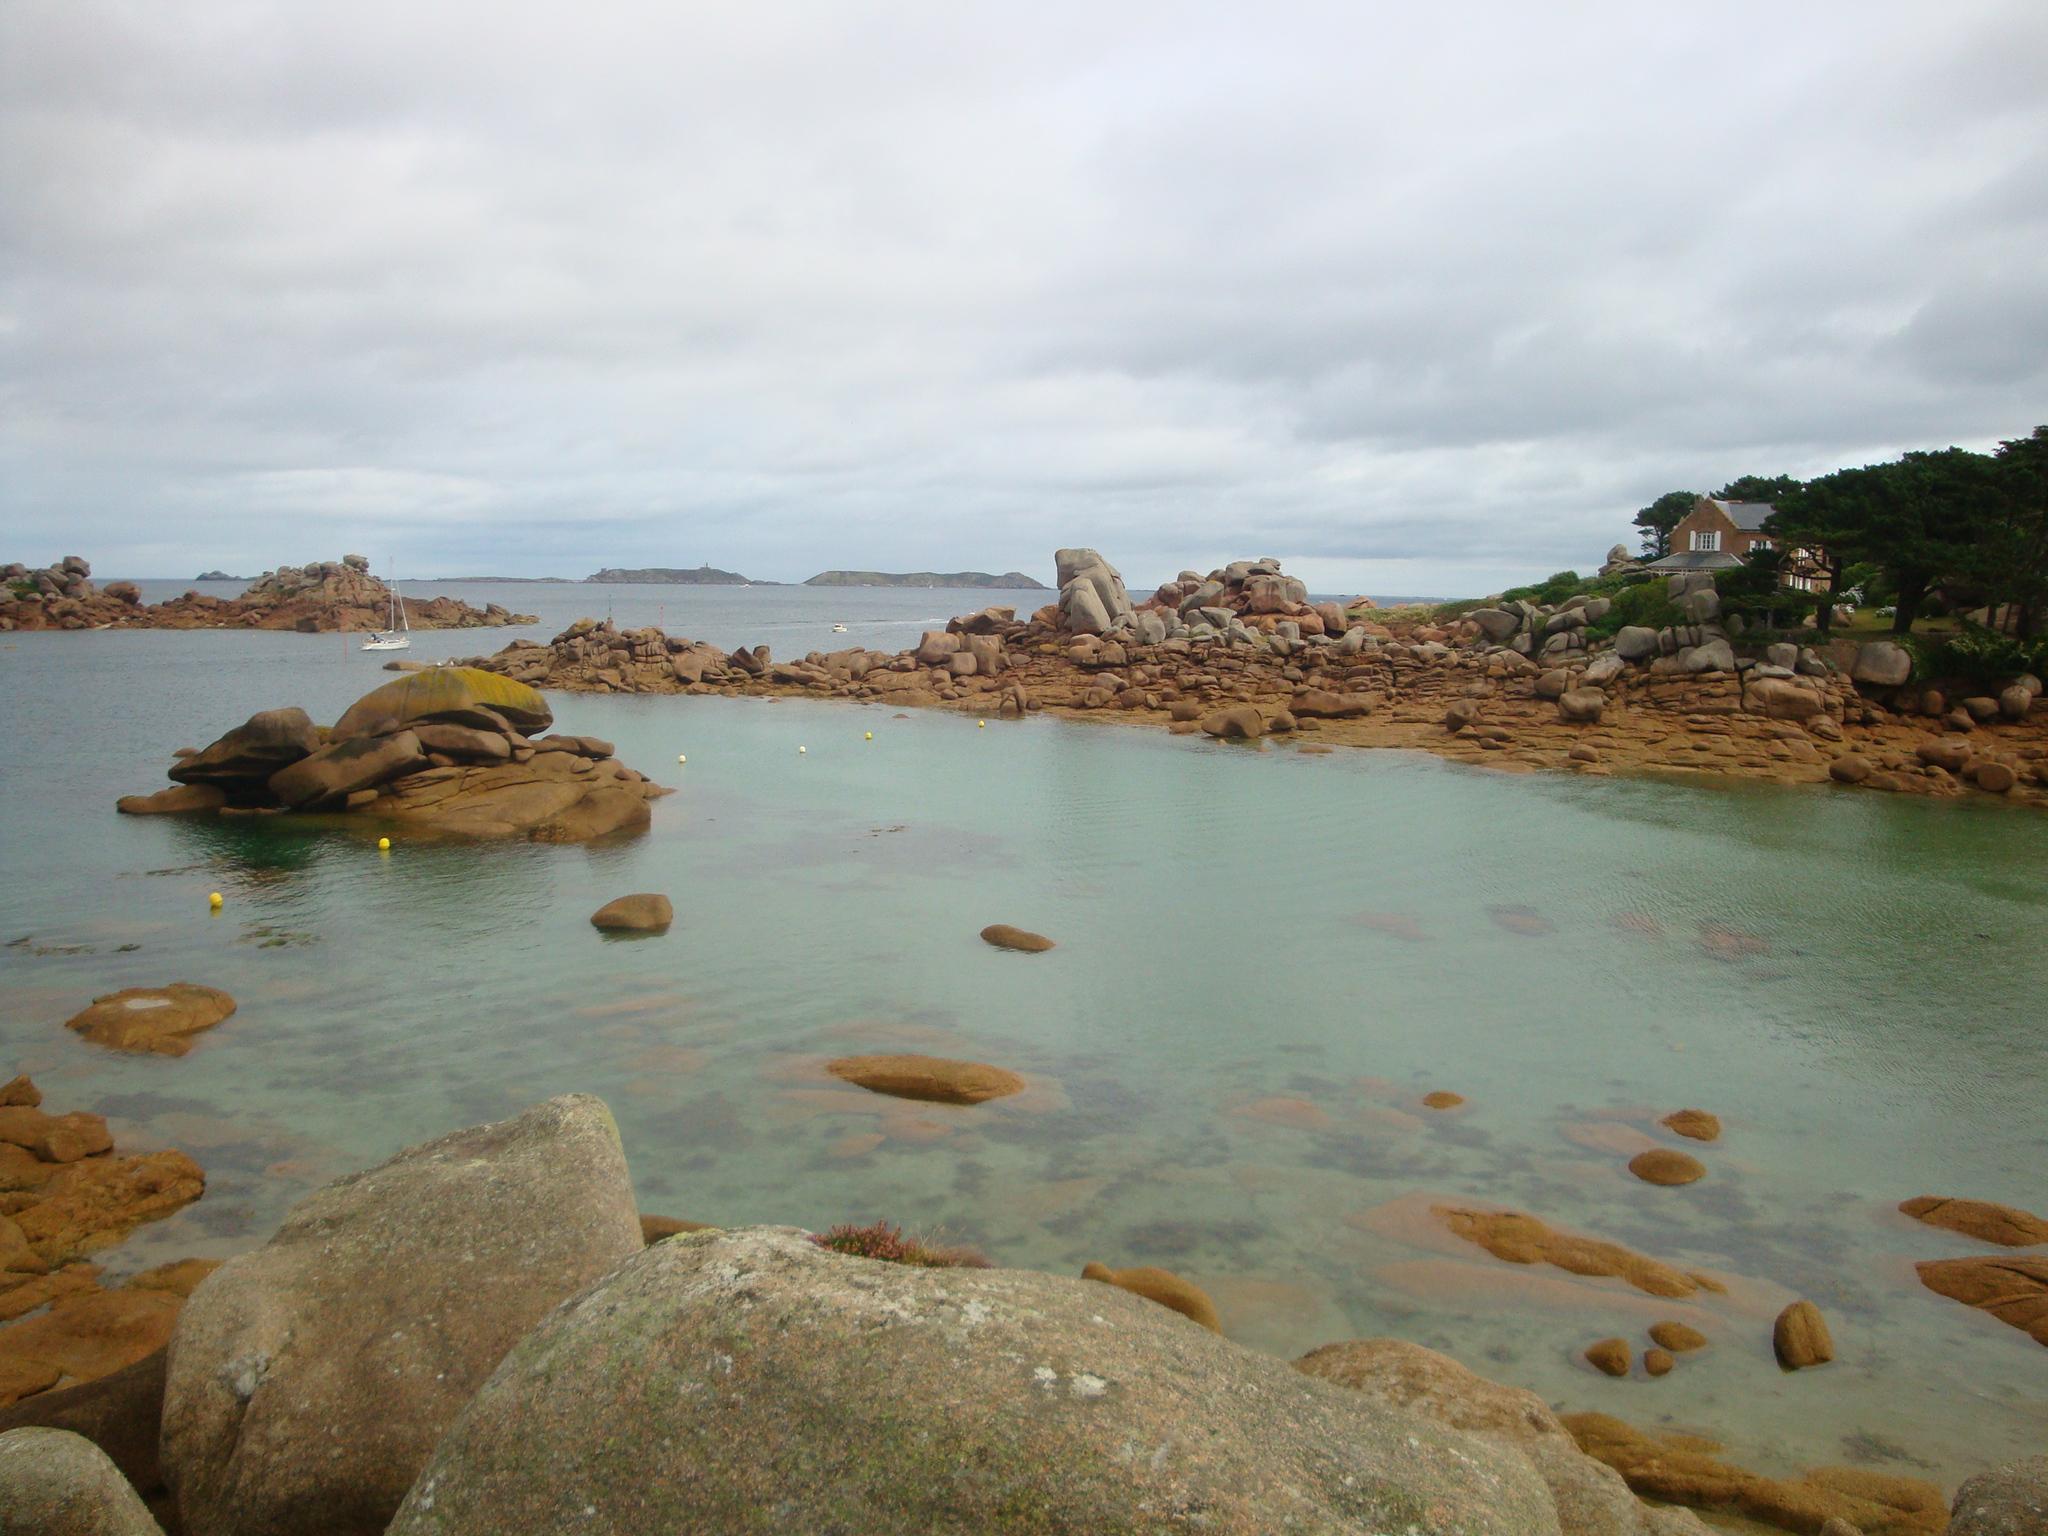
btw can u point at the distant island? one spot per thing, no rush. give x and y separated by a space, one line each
220 576
660 575
1013 580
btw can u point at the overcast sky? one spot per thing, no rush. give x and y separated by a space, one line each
1418 304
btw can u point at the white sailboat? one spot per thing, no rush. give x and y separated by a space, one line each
398 636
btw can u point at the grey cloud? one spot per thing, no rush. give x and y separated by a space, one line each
781 287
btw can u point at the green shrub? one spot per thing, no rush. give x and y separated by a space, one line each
1646 603
1548 592
1981 657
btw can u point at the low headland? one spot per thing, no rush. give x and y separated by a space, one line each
669 576
1009 581
320 598
1652 681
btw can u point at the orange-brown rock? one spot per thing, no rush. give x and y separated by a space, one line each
2012 1288
88 1205
1683 1469
1800 1337
19 1092
91 1335
1003 936
1695 1123
2005 1225
121 1413
1666 1165
1162 1286
935 1079
1522 1239
1443 1098
1284 1109
1679 1338
1611 1357
152 1020
54 1138
1658 1362
641 912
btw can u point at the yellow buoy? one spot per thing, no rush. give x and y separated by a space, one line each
981 725
383 845
681 758
214 900
801 749
871 735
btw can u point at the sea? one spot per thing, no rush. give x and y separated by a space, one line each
1265 959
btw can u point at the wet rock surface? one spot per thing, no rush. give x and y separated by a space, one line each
153 1020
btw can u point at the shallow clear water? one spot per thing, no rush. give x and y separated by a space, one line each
1233 925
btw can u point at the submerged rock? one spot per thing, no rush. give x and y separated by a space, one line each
155 1020
2013 1289
933 1079
1679 1338
1683 1469
1003 936
1666 1165
642 912
1611 1357
1162 1286
1694 1123
1522 1239
2006 1225
721 1375
176 800
55 1483
309 1380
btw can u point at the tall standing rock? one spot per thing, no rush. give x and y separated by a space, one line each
1092 598
737 1380
310 1380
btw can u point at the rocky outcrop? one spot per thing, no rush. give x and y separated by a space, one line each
87 1334
1092 598
155 1020
444 750
1590 1498
325 596
54 1483
1003 936
2009 1501
309 1380
121 1413
2006 1225
743 1371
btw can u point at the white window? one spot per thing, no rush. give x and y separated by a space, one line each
1706 540
1759 543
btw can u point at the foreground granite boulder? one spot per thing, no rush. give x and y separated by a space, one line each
54 1483
309 1380
2009 1501
752 1380
1590 1498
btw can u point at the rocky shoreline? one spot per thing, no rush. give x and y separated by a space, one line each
1241 653
321 598
486 1333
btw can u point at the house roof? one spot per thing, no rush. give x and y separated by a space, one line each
1747 515
1696 560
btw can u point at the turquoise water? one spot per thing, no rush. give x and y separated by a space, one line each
1235 926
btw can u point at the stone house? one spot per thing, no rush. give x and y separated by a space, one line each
1719 535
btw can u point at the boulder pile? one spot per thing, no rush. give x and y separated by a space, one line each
446 750
322 597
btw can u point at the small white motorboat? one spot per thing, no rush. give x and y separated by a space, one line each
838 629
398 637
